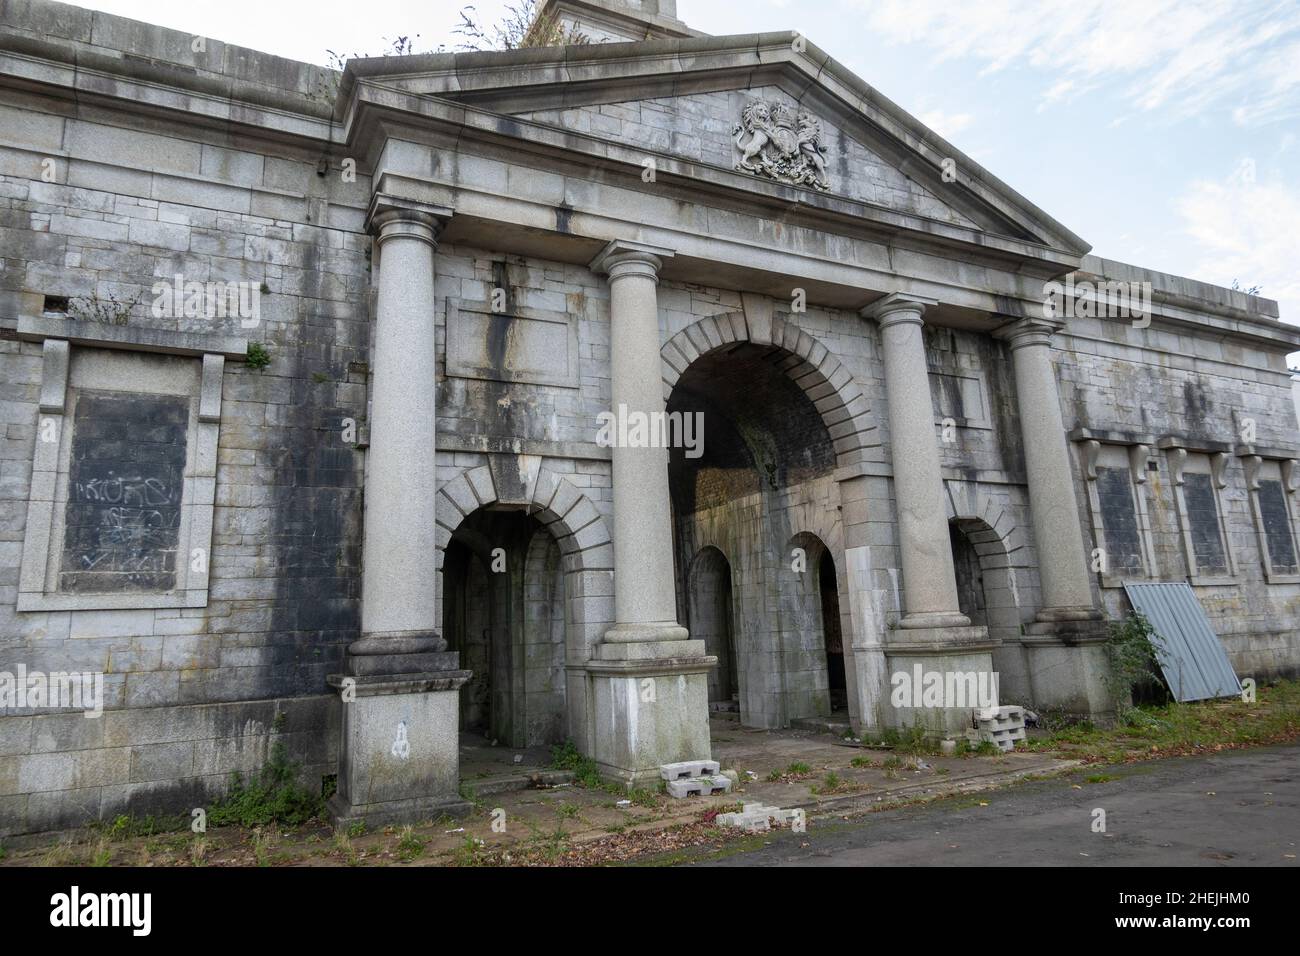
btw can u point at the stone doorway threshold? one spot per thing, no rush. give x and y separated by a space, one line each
836 724
488 768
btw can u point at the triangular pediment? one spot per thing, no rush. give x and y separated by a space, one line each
771 107
765 132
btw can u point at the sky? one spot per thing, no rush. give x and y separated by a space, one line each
1164 132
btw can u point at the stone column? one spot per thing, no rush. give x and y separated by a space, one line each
929 581
399 755
649 679
933 636
1064 646
1058 534
399 584
644 593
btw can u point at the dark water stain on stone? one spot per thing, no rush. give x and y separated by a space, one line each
1196 406
316 497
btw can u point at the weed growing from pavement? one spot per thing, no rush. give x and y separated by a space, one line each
566 756
409 846
1182 728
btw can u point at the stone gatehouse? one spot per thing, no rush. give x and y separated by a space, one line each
303 378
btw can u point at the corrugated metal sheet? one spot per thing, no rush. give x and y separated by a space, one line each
1190 653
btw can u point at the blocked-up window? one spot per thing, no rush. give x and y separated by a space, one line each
1119 519
1271 506
125 484
1115 474
123 480
1279 535
1204 527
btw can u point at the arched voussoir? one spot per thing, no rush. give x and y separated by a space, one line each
988 524
570 516
812 366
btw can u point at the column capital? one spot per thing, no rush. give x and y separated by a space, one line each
622 257
1028 330
898 307
390 217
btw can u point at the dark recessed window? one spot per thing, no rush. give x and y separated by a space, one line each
1119 520
1203 522
55 305
1276 518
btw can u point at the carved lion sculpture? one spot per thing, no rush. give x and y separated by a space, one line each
756 121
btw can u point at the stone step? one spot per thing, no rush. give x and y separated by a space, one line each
539 779
839 726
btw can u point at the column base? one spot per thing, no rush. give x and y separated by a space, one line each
1068 669
392 665
962 659
650 707
1061 615
399 758
396 643
930 620
651 632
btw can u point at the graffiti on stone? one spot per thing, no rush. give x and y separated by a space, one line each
125 486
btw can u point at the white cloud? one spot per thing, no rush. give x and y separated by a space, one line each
1246 230
946 125
1178 56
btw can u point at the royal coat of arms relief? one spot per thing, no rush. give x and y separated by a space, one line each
781 143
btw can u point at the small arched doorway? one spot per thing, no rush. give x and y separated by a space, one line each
832 633
812 647
710 619
969 573
985 568
504 612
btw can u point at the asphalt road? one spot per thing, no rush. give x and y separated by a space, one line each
1233 808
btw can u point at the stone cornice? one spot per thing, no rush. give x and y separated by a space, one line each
147 68
132 338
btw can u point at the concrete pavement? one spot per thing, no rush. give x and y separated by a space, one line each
1234 808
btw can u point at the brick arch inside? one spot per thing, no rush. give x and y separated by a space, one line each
830 387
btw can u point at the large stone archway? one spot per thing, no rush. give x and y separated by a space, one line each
785 421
